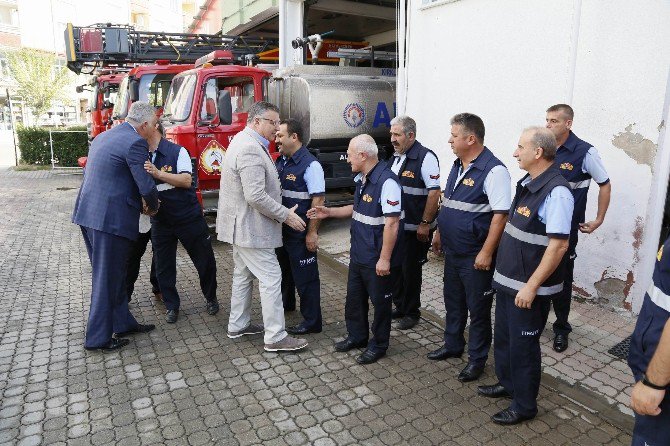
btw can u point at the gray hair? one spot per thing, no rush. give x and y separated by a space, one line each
542 137
408 124
365 144
140 112
259 108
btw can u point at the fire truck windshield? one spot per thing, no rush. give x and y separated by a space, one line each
180 99
154 88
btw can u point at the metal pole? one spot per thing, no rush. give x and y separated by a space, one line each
11 122
51 144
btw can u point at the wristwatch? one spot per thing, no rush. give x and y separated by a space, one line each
425 222
648 383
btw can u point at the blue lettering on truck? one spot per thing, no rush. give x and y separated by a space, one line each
382 115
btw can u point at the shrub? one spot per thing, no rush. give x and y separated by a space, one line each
67 146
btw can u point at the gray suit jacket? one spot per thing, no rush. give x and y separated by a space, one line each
250 213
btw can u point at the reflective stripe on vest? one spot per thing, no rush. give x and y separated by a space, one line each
580 184
468 207
517 285
533 239
414 190
164 186
372 221
411 227
659 297
294 194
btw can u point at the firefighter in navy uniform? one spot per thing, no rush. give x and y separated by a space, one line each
376 249
303 184
649 359
529 272
578 162
419 172
476 202
180 220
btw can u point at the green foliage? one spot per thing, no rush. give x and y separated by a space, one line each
39 80
68 146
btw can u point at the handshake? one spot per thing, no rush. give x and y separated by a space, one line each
147 211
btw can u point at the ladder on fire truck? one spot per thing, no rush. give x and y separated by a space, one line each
107 45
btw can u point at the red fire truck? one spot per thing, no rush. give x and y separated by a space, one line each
104 88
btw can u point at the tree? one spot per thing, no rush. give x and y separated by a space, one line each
40 81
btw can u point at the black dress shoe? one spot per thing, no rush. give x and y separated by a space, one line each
407 322
370 356
560 342
495 391
509 417
348 344
444 353
396 314
471 372
114 344
141 328
212 307
171 316
300 330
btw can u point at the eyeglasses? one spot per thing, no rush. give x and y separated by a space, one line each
275 123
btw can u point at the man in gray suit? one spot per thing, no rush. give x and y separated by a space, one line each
250 217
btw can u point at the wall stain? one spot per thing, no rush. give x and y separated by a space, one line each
661 125
636 146
638 231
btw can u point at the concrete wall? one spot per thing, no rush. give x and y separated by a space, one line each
508 61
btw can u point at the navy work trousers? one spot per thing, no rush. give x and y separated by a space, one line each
363 283
516 349
467 289
194 237
135 260
109 311
561 303
300 269
407 289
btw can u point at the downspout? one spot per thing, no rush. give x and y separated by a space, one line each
574 47
655 208
401 49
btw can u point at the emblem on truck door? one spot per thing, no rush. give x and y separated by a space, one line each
354 115
211 158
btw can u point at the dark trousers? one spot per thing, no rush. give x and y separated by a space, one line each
363 283
467 289
516 348
134 261
194 237
561 303
407 289
109 311
300 269
649 430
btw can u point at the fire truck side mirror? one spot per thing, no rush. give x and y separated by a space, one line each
225 108
134 90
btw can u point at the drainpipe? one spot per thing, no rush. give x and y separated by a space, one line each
573 50
401 67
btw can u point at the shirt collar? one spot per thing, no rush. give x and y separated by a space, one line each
571 142
257 136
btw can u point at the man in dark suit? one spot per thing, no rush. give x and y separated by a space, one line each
107 210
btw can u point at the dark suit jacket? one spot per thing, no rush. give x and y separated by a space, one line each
115 180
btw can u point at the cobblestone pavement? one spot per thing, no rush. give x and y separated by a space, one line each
188 383
585 365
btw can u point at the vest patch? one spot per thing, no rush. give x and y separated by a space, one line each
408 174
290 177
469 182
166 168
567 166
523 210
367 198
